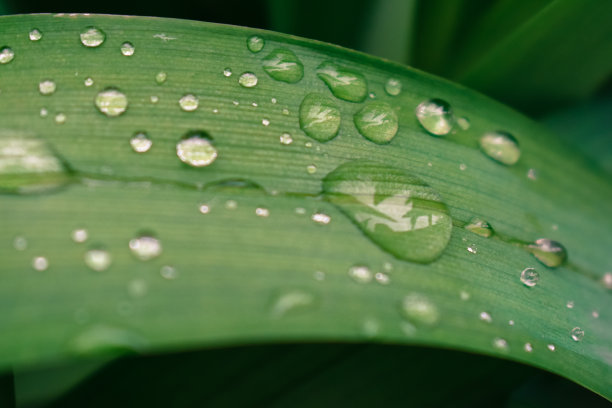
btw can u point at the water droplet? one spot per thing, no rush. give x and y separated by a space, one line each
528 347
273 100
6 55
168 272
606 280
321 218
291 301
462 166
551 347
500 344
283 65
79 235
530 277
255 43
92 37
319 117
393 86
435 115
595 314
227 72
510 322
88 81
98 259
463 123
577 334
154 98
500 146
344 83
464 295
35 35
262 212
569 304
311 169
319 276
111 102
20 243
265 122
472 249
145 247
196 150
485 317
127 49
60 118
382 278
204 209
248 80
44 112
285 111
418 309
140 142
286 139
161 77
377 122
479 227
137 288
397 211
231 204
550 253
189 102
360 274
40 263
104 339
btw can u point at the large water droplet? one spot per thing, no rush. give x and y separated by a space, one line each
435 115
419 310
196 149
550 253
501 147
255 43
140 142
479 227
319 117
127 49
397 211
145 247
606 280
111 102
98 259
283 65
377 122
92 37
189 102
393 86
248 80
46 87
577 334
530 277
344 83
291 301
6 55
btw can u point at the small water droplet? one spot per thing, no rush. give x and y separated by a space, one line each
44 112
606 280
501 147
463 123
397 211
595 314
127 49
88 81
479 227
140 142
98 259
360 274
255 43
161 77
40 263
111 102
436 117
154 99
248 80
321 218
485 317
530 277
377 122
382 278
500 344
35 34
550 253
319 276
569 304
372 95
60 118
79 235
319 117
204 209
418 309
265 122
137 288
168 272
528 347
510 322
551 347
472 249
227 72
6 55
145 247
283 65
285 111
577 334
286 139
196 149
231 204
189 102
311 169
393 86
464 295
291 301
344 83
20 243
262 212
92 37
273 100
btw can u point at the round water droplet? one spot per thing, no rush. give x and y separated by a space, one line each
291 301
60 118
550 253
248 80
485 317
528 347
397 211
606 280
98 259
510 322
500 146
311 169
88 82
140 142
530 277
360 274
6 55
551 347
161 77
595 314
196 149
189 102
35 34
20 243
145 247
419 310
436 117
46 87
283 65
319 117
111 102
393 86
286 139
154 98
479 227
321 218
255 43
40 263
377 122
463 123
500 344
344 83
92 37
227 72
265 122
204 209
262 212
127 49
44 112
79 235
577 334
168 272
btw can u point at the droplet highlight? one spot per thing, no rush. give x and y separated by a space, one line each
377 122
577 334
485 317
40 263
436 117
46 87
34 35
360 274
283 65
530 277
343 83
319 117
501 147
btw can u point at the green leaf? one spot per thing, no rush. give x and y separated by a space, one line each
255 253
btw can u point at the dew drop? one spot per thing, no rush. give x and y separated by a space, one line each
377 122
154 98
397 211
227 72
436 117
255 43
168 272
500 344
577 334
528 347
111 102
569 304
92 37
283 65
501 147
393 86
319 117
265 122
127 49
141 143
343 83
204 209
419 310
60 118
606 280
189 102
88 82
6 55
161 77
472 249
196 149
291 301
300 210
510 322
262 212
46 87
248 80
145 247
20 243
40 263
44 113
532 174
321 218
286 139
479 227
98 259
360 274
311 169
551 347
595 314
530 277
485 317
35 34
550 253
382 278
79 235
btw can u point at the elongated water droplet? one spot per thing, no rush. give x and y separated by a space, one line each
161 77
360 274
79 235
35 34
92 37
377 122
577 334
485 317
501 147
141 143
145 247
397 211
98 259
127 49
111 102
6 55
40 263
551 347
46 87
248 80
104 339
435 115
382 278
419 310
196 149
262 212
283 65
291 301
479 227
321 218
319 117
344 83
227 72
550 253
530 277
255 43
189 102
393 86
